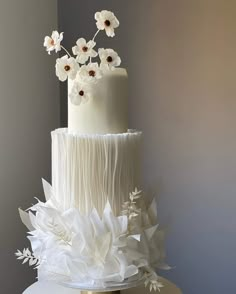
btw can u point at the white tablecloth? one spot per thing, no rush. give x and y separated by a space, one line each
50 288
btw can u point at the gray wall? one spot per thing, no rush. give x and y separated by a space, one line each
29 110
181 61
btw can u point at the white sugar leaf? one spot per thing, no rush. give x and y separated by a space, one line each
132 215
150 232
26 259
136 196
28 252
25 219
164 266
47 188
131 270
136 237
21 257
33 261
18 253
38 264
152 211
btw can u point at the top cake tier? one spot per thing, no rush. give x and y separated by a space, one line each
106 111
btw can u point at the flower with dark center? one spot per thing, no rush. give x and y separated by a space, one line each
89 73
54 42
106 20
79 93
107 23
109 59
67 67
85 49
92 73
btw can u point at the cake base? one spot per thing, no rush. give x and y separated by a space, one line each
49 288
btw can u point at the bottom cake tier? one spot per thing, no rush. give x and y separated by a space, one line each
95 231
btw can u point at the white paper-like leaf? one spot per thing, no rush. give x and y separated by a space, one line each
25 260
131 271
150 232
164 266
103 245
25 219
97 222
47 188
152 211
21 257
18 253
123 221
32 261
27 251
136 237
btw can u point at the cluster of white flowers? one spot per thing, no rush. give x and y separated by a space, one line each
80 68
93 250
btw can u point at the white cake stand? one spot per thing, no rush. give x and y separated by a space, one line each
51 288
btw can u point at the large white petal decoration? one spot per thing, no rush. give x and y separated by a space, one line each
89 249
25 219
47 188
97 223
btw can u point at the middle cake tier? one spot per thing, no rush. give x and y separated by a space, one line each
89 170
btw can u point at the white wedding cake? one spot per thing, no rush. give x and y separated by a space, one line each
94 231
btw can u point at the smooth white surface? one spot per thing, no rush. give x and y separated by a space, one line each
50 288
88 170
106 111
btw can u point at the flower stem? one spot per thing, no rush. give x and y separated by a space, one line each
65 50
96 34
90 59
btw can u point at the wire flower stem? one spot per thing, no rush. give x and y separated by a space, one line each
67 52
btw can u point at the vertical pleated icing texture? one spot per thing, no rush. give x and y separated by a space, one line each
88 170
106 112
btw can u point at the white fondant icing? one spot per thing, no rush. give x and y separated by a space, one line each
88 170
106 111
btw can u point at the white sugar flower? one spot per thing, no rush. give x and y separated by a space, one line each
109 58
84 50
79 93
106 20
66 67
90 73
53 42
